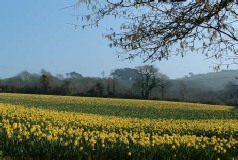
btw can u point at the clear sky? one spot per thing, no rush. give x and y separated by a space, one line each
34 35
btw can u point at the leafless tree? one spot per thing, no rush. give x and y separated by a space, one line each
150 78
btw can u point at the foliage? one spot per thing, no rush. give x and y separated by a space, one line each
74 75
155 30
212 88
126 74
51 130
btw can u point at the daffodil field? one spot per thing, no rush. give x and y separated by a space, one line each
61 127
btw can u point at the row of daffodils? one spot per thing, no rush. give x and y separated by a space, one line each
44 133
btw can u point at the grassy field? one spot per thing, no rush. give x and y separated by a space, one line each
61 127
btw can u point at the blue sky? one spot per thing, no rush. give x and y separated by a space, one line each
34 35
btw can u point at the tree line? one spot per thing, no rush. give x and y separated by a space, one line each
138 82
141 82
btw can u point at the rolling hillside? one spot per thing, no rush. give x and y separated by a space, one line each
213 81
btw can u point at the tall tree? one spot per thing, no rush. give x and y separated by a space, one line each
112 85
148 79
66 86
157 29
46 79
163 83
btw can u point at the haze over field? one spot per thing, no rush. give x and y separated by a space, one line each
36 35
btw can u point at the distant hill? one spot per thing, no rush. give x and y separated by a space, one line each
213 81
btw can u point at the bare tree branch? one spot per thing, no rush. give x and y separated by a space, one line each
155 30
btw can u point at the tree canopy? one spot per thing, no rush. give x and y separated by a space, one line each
156 29
126 74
